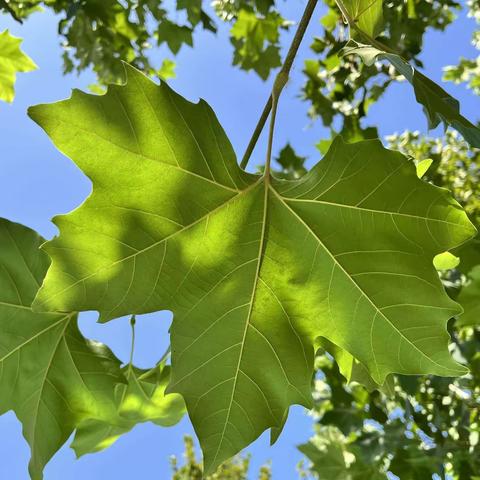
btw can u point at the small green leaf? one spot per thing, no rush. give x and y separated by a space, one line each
438 105
423 166
193 9
143 399
293 166
367 14
446 261
12 60
167 70
289 160
254 269
175 36
255 39
330 19
196 14
50 375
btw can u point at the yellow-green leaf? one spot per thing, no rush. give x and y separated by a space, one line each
423 166
446 261
12 61
255 269
142 399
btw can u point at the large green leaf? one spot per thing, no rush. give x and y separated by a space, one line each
253 268
438 105
50 375
143 399
12 60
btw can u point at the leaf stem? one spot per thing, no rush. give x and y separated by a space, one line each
165 355
133 321
256 134
278 86
270 139
283 75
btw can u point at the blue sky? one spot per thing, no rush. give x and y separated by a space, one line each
37 182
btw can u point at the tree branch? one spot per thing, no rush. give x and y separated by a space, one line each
284 75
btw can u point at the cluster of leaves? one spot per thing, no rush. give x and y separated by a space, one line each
99 34
340 88
234 469
256 36
426 426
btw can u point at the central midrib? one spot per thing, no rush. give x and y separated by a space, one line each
249 315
